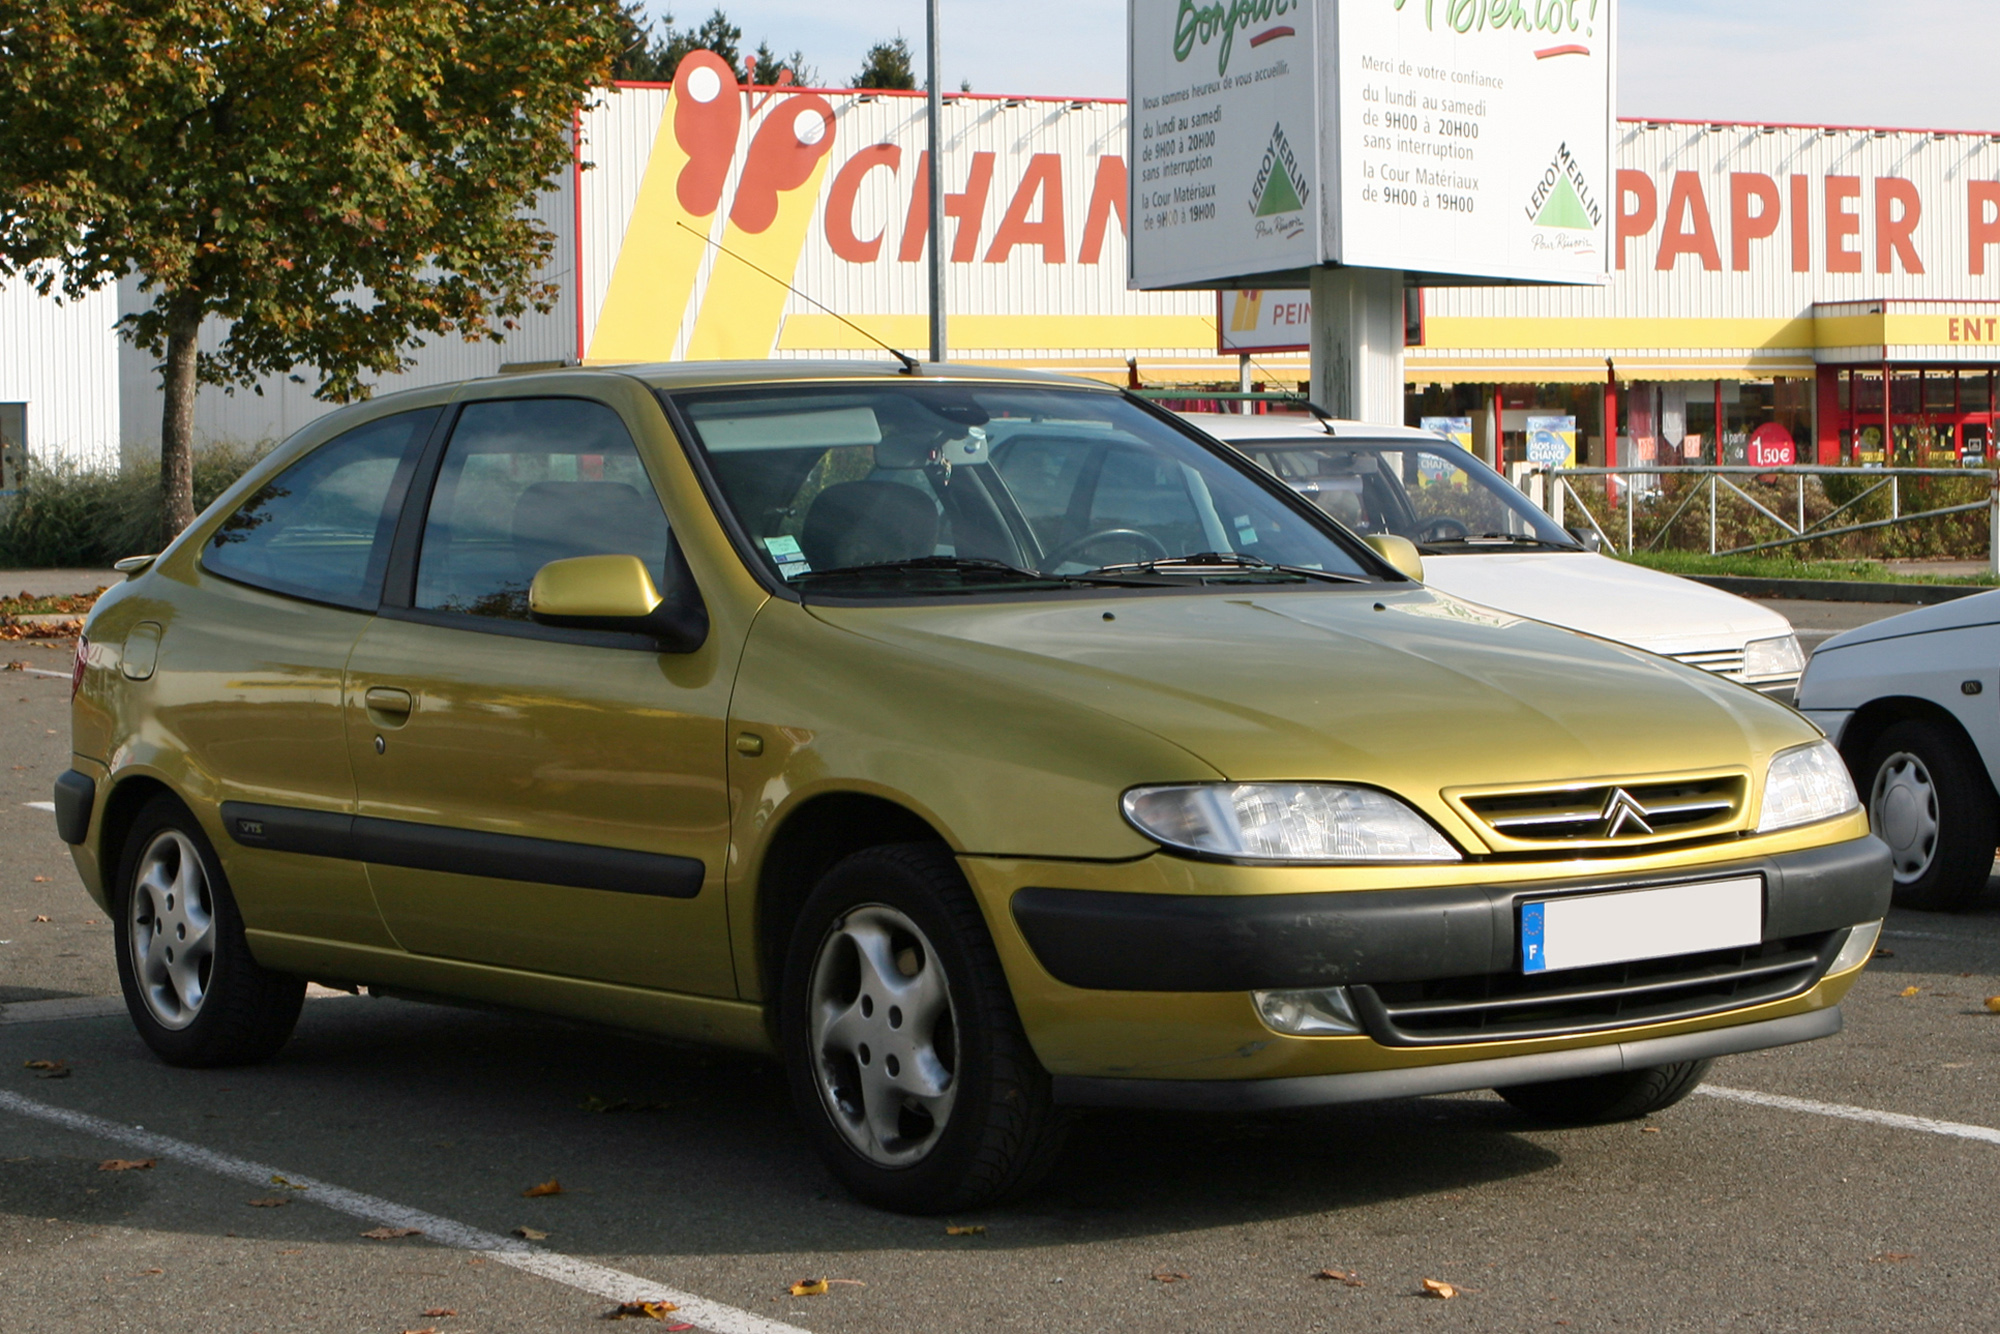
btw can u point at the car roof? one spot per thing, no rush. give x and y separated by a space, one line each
703 374
1237 427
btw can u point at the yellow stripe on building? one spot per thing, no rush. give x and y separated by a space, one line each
808 332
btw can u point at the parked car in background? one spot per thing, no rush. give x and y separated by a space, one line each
1482 540
974 743
1913 702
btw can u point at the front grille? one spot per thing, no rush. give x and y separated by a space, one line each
1493 1007
1589 814
1722 661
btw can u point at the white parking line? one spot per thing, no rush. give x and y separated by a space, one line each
611 1284
40 805
1896 1120
37 671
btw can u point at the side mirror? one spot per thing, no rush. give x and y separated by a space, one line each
616 593
1587 538
1400 552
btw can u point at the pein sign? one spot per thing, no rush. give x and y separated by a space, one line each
1451 139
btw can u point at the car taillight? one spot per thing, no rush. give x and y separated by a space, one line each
76 668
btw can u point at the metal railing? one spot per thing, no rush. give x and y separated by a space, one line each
1550 487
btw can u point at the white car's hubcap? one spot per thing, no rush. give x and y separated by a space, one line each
172 930
884 1037
1903 808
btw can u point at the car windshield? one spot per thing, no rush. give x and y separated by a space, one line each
1437 495
919 489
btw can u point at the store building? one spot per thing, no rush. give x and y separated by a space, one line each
1778 291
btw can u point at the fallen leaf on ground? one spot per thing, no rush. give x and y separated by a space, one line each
1344 1276
427 1329
291 1252
531 1233
964 1229
152 1271
126 1164
41 917
273 1202
1649 1130
549 1187
437 1312
277 1180
809 1287
391 1233
1439 1289
1881 953
640 1311
1909 991
41 880
1993 1004
1895 1257
50 1066
1169 1276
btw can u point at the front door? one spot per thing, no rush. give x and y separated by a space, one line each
542 799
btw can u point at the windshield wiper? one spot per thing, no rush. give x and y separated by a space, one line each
969 565
1223 562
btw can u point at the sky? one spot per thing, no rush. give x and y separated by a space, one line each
1926 64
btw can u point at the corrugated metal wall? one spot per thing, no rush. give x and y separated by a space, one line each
59 358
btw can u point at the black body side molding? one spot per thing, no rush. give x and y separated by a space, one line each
424 847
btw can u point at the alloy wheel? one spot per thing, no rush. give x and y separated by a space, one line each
1903 810
884 1035
172 929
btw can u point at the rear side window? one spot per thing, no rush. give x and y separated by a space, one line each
529 481
321 528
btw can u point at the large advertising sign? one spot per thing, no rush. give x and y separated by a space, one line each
1446 138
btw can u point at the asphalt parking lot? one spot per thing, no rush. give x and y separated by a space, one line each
1844 1184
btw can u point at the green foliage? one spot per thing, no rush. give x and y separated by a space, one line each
716 34
334 181
888 65
1789 567
765 66
65 517
650 57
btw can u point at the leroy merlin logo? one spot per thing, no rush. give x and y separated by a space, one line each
1562 196
1280 186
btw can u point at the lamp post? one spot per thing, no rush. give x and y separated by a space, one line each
934 100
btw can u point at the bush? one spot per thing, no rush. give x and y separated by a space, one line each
67 517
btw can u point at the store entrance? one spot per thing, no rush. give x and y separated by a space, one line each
1934 417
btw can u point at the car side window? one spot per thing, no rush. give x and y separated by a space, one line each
524 482
321 529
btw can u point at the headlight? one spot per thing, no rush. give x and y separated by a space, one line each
1773 657
1804 784
1286 822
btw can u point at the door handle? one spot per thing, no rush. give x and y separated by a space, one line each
388 706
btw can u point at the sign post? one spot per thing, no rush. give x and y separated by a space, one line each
1352 146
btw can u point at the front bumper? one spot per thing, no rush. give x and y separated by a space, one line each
1141 973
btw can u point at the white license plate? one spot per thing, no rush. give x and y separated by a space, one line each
1591 929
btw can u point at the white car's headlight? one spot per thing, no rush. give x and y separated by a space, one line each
1804 784
1286 822
1773 657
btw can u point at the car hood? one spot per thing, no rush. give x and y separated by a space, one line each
1958 614
1662 613
1410 690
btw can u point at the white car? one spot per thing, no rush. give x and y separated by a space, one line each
1910 702
1482 540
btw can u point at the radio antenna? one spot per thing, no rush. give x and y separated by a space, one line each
910 363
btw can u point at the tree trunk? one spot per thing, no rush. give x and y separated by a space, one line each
177 424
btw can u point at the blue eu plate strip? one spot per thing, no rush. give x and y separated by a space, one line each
1533 959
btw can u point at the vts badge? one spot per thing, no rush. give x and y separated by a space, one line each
702 131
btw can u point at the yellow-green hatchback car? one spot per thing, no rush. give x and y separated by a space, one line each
983 745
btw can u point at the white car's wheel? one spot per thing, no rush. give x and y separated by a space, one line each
1930 800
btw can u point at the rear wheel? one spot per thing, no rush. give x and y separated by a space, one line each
194 992
906 1059
1932 803
1595 1099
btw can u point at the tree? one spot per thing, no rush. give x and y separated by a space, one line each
641 56
716 34
766 65
887 65
329 181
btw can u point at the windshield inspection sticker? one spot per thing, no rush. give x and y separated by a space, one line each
1245 532
785 551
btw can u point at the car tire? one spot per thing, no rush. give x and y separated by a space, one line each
1930 800
195 993
906 1059
1596 1099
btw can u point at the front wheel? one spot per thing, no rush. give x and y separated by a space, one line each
1596 1099
195 993
1929 799
906 1059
